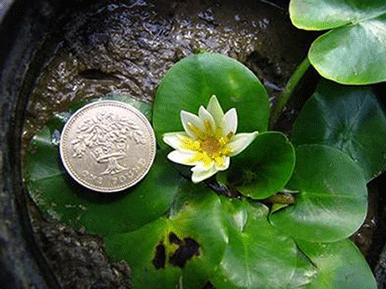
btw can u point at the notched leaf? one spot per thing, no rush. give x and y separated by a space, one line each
159 259
271 160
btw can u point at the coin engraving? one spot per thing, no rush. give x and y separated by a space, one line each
105 135
107 146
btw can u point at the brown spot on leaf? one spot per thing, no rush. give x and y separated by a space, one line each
159 259
186 251
173 239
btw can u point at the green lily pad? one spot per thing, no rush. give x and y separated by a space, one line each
339 265
185 247
192 81
145 252
256 255
327 14
349 118
264 167
58 196
332 200
354 51
305 272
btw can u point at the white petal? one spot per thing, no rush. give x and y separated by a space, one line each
215 110
229 122
201 166
208 120
240 141
199 175
192 124
224 165
175 139
181 157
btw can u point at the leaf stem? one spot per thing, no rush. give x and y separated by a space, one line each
289 89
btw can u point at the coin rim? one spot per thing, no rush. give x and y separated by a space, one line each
65 158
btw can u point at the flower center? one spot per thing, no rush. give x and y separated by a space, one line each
211 146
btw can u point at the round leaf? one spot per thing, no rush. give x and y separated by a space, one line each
327 14
192 81
256 254
186 247
349 118
339 265
57 195
264 167
332 200
354 52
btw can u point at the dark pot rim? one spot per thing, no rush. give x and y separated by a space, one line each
22 262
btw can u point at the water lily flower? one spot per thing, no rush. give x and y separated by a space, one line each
209 140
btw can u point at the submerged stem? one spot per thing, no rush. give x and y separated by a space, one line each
289 89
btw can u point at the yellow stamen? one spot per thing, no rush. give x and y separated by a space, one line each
226 139
196 131
190 144
226 151
210 145
201 157
209 148
208 128
219 161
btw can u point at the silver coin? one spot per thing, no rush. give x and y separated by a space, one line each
107 146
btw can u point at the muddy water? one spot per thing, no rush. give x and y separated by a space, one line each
127 47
